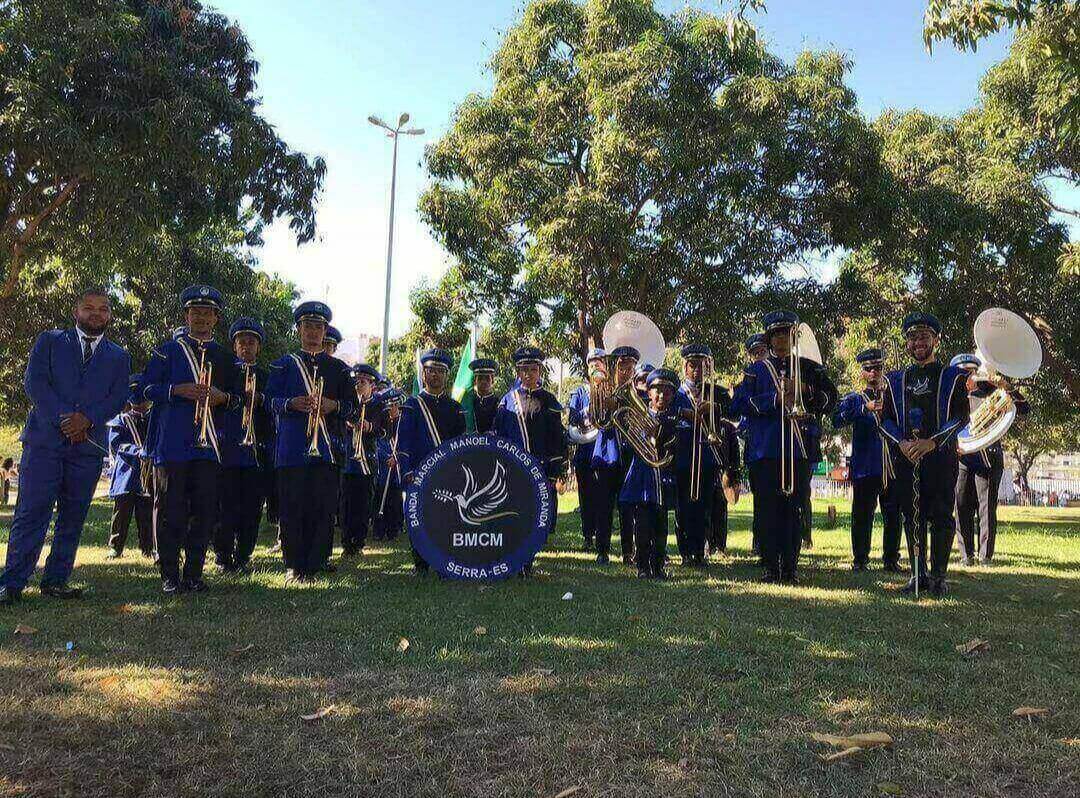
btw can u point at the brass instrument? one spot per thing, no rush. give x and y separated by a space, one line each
632 419
202 408
599 418
315 417
802 344
247 418
706 428
1009 347
358 441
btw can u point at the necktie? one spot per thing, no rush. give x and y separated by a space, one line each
87 349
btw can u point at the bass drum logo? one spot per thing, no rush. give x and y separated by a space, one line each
479 507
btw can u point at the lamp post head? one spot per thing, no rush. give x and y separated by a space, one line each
402 119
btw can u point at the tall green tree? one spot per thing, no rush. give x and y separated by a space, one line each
146 305
670 164
121 117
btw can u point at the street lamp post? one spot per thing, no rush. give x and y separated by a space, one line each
392 132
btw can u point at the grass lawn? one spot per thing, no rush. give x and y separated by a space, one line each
708 685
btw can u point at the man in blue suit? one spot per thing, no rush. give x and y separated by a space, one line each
76 380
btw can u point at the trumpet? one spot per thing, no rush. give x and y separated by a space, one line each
202 409
315 418
247 418
358 441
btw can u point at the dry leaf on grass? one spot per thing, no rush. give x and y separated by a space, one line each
403 645
847 753
869 740
633 618
318 714
1031 712
123 609
480 631
23 629
243 649
890 788
975 645
569 791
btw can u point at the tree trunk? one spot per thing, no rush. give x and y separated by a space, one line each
17 246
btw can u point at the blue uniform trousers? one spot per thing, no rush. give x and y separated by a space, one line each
62 479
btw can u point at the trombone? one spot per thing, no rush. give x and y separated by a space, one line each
705 428
247 418
202 409
358 439
315 417
789 419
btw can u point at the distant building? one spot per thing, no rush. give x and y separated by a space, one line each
354 348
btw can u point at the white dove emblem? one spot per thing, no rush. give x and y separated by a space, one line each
478 506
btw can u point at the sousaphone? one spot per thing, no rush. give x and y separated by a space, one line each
1006 345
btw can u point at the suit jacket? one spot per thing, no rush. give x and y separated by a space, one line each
58 382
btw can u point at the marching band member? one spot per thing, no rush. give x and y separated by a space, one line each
584 472
692 512
427 420
484 400
648 493
870 466
926 406
242 478
755 351
781 502
130 485
332 340
192 380
305 389
389 509
531 416
980 475
361 466
614 454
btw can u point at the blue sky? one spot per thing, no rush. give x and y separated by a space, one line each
327 64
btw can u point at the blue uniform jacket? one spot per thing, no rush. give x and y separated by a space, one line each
173 363
233 455
295 375
127 437
757 398
578 409
368 465
538 429
426 421
868 450
645 484
384 447
685 400
951 406
57 382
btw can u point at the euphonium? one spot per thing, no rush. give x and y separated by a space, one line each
631 417
599 407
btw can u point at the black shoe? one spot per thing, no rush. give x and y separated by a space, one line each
170 587
923 582
194 586
643 574
61 591
327 568
292 576
892 568
602 559
661 574
859 566
770 578
9 597
789 579
938 588
114 554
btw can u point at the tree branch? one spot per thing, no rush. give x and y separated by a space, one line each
19 244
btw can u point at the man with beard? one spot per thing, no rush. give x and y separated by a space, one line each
76 381
925 407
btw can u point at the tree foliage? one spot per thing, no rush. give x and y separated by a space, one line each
121 117
146 301
670 164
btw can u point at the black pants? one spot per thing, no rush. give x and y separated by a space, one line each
649 526
270 489
185 508
781 515
358 495
7 492
142 507
241 514
587 496
756 509
692 517
387 524
937 490
977 495
607 483
866 494
306 496
718 525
